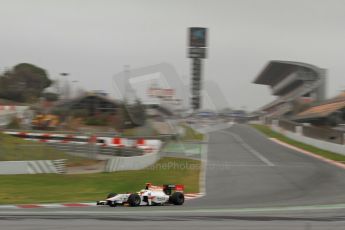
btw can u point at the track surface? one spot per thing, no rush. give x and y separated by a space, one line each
245 169
251 183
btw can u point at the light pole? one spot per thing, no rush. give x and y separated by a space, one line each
66 92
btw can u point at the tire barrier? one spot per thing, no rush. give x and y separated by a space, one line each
8 107
147 146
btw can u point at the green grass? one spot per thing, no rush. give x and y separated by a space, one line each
50 188
324 153
191 135
182 147
17 149
145 130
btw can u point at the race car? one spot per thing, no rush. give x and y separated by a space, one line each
149 196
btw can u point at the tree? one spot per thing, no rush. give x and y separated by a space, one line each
23 83
50 96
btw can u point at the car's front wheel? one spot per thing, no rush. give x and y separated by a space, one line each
134 200
111 203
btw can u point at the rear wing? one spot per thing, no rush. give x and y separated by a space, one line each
170 188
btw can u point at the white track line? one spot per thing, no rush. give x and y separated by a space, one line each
311 208
249 148
340 165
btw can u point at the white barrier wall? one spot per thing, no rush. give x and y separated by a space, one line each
137 162
13 167
7 112
131 163
6 117
32 167
298 136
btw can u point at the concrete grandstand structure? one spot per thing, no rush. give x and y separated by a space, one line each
294 84
327 113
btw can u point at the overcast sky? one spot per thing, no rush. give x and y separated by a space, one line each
93 39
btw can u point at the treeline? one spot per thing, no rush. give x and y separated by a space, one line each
23 83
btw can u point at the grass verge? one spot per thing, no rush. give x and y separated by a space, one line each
185 144
324 153
17 149
182 147
191 135
51 188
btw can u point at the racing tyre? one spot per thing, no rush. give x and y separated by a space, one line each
110 195
134 200
112 203
177 198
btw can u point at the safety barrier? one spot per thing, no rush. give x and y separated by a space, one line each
134 163
6 117
131 163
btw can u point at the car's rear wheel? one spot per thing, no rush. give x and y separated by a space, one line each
134 200
177 198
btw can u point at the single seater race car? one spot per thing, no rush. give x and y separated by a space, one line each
149 196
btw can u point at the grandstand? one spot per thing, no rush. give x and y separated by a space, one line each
294 84
327 113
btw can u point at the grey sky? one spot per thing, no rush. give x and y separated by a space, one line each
93 40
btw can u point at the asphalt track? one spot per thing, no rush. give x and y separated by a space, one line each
251 183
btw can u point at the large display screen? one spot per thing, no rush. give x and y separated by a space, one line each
197 37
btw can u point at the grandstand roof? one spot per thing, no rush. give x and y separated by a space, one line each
275 71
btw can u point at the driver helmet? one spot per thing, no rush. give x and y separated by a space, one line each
148 185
